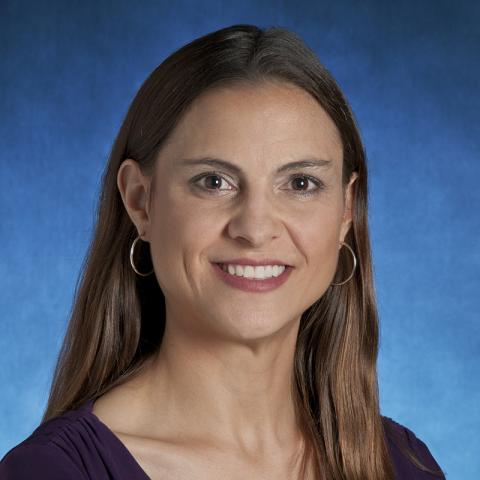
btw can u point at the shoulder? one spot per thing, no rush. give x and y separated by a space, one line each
406 449
33 459
53 451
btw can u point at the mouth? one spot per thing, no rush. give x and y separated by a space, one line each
257 272
266 280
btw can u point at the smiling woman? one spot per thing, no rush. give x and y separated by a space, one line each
225 325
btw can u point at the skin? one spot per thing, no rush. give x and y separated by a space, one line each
215 402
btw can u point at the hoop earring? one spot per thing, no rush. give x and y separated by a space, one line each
354 265
132 249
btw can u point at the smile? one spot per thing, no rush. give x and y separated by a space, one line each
257 272
263 278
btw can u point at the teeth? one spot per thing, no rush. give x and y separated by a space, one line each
249 271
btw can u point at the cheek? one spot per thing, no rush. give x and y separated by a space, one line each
178 235
319 240
321 245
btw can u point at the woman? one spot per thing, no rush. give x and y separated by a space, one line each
225 325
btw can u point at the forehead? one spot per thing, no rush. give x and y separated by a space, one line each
266 124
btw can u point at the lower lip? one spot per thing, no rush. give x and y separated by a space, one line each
251 284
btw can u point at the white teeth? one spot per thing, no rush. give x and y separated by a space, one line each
249 271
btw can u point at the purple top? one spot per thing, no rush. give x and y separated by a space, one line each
78 445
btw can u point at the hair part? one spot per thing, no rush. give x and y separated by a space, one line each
118 319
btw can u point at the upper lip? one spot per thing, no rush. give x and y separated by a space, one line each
251 261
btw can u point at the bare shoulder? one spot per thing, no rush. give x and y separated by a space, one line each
121 407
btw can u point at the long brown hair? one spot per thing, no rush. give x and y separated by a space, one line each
118 318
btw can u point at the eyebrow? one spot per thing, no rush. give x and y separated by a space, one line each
310 162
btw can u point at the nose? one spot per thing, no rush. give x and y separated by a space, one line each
255 221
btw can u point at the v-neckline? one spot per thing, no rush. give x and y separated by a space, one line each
88 407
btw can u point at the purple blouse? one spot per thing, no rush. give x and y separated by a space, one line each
79 446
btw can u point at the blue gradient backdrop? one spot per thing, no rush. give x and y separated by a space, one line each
411 72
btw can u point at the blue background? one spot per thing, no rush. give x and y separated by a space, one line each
69 71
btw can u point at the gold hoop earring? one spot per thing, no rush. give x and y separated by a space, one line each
132 249
354 265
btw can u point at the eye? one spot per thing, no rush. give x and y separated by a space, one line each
212 181
302 182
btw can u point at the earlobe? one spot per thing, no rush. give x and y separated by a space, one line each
133 188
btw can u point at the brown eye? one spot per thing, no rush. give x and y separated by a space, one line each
303 181
210 182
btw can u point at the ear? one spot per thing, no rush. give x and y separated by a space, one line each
348 206
134 188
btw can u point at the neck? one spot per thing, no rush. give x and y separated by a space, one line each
237 395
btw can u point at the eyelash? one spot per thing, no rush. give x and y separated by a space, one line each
319 185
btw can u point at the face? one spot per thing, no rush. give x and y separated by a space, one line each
201 213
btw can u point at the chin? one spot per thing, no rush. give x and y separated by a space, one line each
256 328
